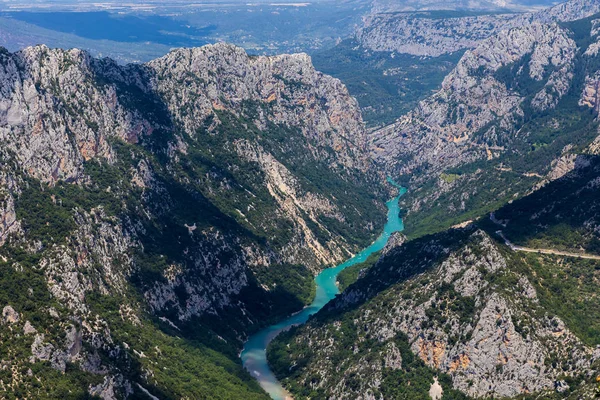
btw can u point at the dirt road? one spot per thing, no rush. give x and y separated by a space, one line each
546 251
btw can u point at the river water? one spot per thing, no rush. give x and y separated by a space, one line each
254 356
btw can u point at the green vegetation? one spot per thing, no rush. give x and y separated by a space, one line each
561 215
484 187
44 218
351 274
213 187
180 367
211 154
52 384
197 363
569 288
405 262
478 194
291 287
449 178
566 287
448 299
385 86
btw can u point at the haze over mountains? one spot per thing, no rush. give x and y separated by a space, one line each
154 215
391 6
140 31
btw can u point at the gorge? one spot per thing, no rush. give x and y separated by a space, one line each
208 224
254 356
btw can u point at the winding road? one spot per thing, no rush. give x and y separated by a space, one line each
514 247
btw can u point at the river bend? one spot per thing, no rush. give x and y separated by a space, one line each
254 356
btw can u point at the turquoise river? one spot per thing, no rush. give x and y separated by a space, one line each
254 356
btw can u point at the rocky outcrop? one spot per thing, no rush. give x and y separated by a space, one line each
390 6
460 317
285 189
9 315
9 224
71 269
50 98
200 280
287 89
590 95
174 187
442 131
396 239
28 329
430 34
422 34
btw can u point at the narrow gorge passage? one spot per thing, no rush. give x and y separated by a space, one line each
254 355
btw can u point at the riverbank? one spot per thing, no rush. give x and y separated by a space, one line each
254 357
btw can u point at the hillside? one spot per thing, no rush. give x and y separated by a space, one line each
514 113
154 215
505 153
465 309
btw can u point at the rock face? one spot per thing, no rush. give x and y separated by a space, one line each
9 315
456 311
183 188
590 97
390 6
288 85
60 138
433 34
421 34
475 114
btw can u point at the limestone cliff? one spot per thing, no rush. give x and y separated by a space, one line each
194 195
463 305
475 113
433 33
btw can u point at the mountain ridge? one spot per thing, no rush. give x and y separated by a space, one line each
167 208
480 316
433 33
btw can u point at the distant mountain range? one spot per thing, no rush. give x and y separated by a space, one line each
437 32
392 6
